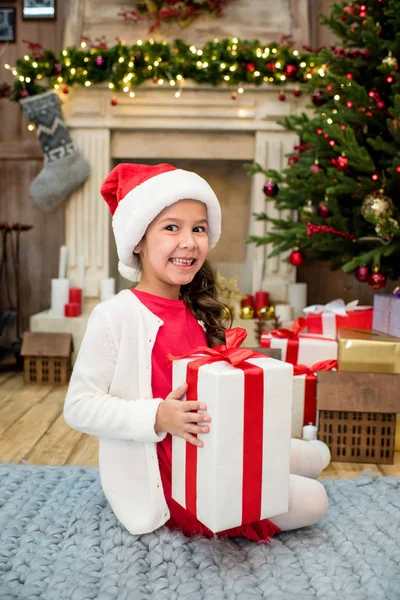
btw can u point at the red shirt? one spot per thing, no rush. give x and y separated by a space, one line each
179 334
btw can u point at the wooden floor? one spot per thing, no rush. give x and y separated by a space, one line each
33 430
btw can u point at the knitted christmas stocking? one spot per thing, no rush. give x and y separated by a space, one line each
65 168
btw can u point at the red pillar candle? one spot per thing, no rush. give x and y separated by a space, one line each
248 300
262 299
73 309
75 296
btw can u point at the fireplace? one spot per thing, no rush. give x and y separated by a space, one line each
203 130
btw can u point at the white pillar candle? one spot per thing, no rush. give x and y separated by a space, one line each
62 265
297 298
283 312
59 296
81 272
310 432
107 288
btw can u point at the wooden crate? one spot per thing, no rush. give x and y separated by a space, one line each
357 415
47 357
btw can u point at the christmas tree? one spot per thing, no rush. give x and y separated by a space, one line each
342 182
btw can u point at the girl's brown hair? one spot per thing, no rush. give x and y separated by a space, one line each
201 295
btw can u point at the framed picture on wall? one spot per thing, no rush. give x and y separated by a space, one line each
39 9
7 23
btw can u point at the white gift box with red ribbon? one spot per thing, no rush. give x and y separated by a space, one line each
298 348
241 474
304 410
327 319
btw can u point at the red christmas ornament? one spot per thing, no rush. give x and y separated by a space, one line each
389 79
65 90
318 98
282 97
99 60
349 76
362 273
23 94
296 258
375 177
290 71
250 67
114 102
323 210
155 80
319 131
376 280
340 163
350 10
315 168
270 189
297 93
234 95
271 66
398 169
349 104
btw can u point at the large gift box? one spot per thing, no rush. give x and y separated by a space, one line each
241 474
304 408
298 348
370 352
327 319
387 314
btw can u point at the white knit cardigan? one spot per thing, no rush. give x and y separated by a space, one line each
110 396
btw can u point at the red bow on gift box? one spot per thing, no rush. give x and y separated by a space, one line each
231 352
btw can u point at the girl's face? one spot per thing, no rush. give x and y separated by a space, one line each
174 248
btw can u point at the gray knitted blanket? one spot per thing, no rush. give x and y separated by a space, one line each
59 539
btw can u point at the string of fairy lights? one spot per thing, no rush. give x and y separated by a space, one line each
231 62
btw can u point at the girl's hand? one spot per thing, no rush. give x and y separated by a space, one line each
177 417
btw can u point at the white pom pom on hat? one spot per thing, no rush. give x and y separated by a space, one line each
136 194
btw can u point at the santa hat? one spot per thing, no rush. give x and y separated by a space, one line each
136 194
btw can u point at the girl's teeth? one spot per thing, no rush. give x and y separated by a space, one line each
181 262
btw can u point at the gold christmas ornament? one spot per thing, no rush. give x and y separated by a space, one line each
390 61
386 229
228 312
307 211
265 313
377 206
247 312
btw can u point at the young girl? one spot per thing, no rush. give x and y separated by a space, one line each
165 220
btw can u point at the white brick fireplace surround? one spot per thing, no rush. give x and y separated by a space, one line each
203 124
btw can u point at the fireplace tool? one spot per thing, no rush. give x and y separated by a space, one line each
10 286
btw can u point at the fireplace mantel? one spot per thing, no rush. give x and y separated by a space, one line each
203 123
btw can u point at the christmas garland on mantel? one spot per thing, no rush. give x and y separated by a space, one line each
230 61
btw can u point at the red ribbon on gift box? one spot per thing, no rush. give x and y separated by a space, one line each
310 393
293 337
253 419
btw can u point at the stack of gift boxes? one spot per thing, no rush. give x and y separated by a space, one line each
257 403
339 337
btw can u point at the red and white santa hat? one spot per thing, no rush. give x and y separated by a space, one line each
136 194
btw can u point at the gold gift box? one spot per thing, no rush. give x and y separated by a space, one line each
370 351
